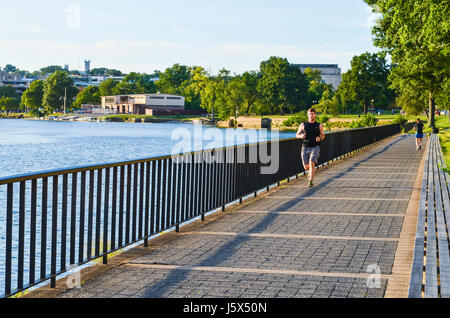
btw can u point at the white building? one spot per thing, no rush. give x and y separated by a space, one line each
142 103
331 73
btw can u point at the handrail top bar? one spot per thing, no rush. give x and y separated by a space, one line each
76 169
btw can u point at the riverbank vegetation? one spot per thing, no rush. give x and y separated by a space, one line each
278 87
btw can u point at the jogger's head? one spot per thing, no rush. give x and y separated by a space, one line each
312 114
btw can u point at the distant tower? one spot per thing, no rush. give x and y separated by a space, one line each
87 66
66 67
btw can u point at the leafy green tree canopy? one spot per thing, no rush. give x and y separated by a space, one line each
136 83
89 95
366 83
56 86
32 97
416 35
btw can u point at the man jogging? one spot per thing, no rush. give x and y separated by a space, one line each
419 133
311 132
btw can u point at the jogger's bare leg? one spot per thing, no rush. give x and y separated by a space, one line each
312 170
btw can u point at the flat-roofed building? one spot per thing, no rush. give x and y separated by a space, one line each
330 73
15 80
145 104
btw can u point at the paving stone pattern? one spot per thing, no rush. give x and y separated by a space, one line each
376 183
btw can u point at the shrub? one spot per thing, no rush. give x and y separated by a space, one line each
323 118
296 119
36 113
366 121
357 124
370 120
400 119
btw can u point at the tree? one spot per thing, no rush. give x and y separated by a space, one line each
32 97
136 83
416 35
56 86
192 89
316 86
105 71
249 91
174 79
214 95
50 69
98 71
234 96
412 102
328 104
241 93
282 86
114 72
366 83
10 68
107 87
8 91
8 104
89 95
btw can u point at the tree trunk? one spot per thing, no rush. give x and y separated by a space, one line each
432 110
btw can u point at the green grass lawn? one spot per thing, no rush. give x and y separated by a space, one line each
443 123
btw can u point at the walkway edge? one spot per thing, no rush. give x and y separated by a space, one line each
398 283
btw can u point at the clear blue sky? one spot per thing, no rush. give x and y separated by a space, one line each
148 35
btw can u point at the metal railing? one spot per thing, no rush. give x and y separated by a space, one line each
59 219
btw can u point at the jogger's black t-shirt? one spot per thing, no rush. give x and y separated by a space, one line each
312 131
419 128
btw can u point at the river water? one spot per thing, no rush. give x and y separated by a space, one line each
28 146
32 146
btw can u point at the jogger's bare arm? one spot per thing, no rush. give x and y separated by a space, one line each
300 133
322 134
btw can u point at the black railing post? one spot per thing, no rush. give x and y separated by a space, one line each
147 203
141 199
203 184
113 208
135 202
43 266
33 230
21 246
54 231
8 250
90 214
173 191
162 204
98 213
82 216
73 216
105 217
169 194
153 199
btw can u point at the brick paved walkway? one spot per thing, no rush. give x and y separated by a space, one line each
293 242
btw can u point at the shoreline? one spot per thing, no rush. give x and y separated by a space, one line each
244 122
